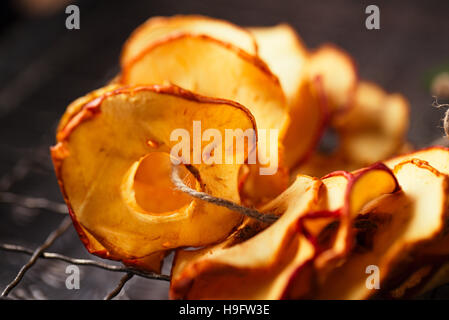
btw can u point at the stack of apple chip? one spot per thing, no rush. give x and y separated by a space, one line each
373 206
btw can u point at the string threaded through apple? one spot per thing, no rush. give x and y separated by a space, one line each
249 212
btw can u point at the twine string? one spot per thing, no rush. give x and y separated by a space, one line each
436 104
249 212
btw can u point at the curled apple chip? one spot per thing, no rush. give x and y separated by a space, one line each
319 85
113 162
433 271
319 164
329 228
257 190
157 28
183 258
213 68
436 156
391 230
339 75
364 185
248 269
308 121
283 51
286 56
276 262
371 131
375 128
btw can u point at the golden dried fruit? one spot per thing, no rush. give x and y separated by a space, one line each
276 262
115 151
190 61
309 118
375 128
371 131
319 85
436 156
246 270
286 56
157 28
403 222
338 72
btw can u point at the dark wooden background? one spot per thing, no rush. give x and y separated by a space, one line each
44 66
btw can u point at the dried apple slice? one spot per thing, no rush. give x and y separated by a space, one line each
283 51
404 222
190 61
319 165
246 270
308 120
213 68
183 258
375 128
270 264
434 273
339 75
317 85
157 28
436 156
371 131
112 160
346 194
286 55
364 185
257 190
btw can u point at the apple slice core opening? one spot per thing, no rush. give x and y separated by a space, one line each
153 189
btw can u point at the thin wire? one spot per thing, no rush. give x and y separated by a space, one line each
120 286
48 242
32 203
84 262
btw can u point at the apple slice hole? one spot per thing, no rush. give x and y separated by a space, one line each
153 189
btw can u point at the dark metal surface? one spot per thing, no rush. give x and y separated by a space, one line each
44 66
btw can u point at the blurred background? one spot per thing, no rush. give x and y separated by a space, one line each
44 66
